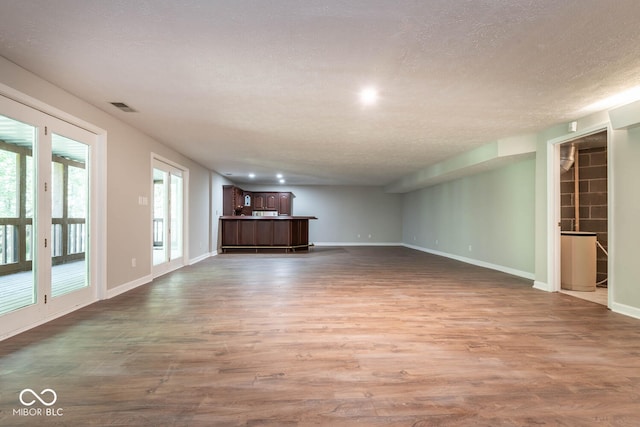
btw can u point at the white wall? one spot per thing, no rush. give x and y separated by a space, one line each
199 212
217 181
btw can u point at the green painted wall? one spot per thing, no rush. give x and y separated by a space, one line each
487 217
624 243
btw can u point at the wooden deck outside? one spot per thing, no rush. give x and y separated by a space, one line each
333 337
16 290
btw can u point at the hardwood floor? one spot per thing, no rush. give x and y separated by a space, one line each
333 337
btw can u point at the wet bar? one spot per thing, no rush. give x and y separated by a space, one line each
288 233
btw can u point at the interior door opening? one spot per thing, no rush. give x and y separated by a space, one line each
583 218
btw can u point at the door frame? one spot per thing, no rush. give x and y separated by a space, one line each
553 206
29 317
161 269
78 297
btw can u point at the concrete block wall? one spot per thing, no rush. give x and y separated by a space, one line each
592 212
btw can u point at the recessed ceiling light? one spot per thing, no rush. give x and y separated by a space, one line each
252 175
282 181
279 176
369 95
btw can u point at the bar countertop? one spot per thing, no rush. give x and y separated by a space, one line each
279 217
290 233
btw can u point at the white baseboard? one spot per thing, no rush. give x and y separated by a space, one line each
625 309
202 257
45 320
147 279
355 244
128 286
502 268
542 286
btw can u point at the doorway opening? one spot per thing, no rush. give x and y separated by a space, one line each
583 217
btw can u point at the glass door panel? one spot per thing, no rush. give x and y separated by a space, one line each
17 279
168 217
176 216
69 215
160 214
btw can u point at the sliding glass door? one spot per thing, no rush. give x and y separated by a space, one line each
168 217
45 216
17 279
69 209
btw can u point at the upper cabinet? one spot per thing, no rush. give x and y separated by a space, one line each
272 201
236 201
259 202
284 203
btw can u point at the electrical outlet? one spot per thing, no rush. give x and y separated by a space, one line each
470 248
134 262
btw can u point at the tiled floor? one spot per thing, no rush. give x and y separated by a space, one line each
600 296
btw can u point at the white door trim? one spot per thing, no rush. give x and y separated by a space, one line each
22 320
553 204
161 269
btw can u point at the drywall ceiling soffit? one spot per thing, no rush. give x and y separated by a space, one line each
626 116
271 86
481 159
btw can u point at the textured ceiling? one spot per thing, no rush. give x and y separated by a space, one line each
272 86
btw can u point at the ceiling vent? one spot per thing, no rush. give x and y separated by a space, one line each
124 107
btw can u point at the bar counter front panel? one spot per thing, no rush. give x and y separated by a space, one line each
265 232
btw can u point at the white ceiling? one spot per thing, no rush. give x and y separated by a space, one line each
270 86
